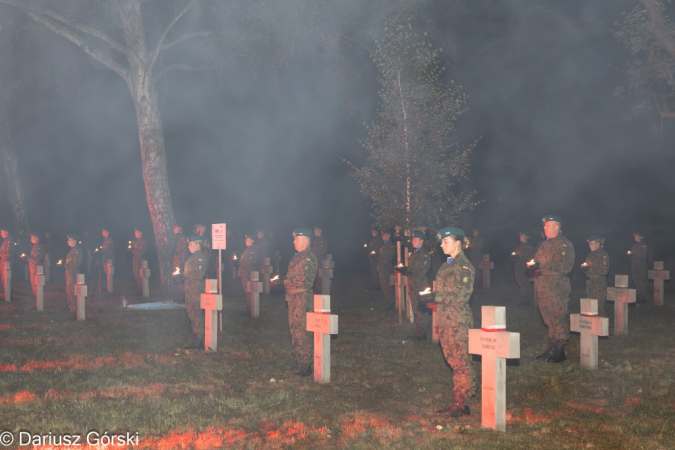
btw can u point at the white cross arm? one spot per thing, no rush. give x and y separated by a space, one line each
614 294
502 344
322 323
598 326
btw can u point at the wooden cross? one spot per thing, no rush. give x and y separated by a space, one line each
266 270
47 264
326 273
145 275
590 326
80 293
658 275
621 296
255 287
40 295
110 273
211 302
322 323
8 281
486 265
494 344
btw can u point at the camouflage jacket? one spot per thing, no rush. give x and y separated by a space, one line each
301 272
319 247
386 256
418 268
108 249
37 254
74 260
139 248
453 288
555 256
524 252
638 254
598 263
7 248
250 260
180 251
195 267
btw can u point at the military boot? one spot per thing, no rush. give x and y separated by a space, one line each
559 353
458 408
302 370
197 342
548 353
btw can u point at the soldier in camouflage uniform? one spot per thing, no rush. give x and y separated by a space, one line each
554 260
35 258
453 289
7 250
249 261
107 250
180 251
319 247
138 249
193 273
596 267
638 266
385 268
373 249
72 267
523 253
298 283
417 271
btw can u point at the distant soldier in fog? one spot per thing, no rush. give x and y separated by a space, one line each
138 249
596 266
374 248
249 261
419 265
35 258
639 266
180 253
200 230
298 283
523 253
386 258
193 273
474 252
7 250
319 244
263 245
107 249
72 266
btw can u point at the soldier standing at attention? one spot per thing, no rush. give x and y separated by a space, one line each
419 264
385 268
107 250
180 251
554 259
35 258
193 273
6 253
523 253
249 261
298 283
138 249
374 247
596 267
263 244
72 266
474 252
454 286
638 266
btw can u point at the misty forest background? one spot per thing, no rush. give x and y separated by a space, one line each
269 108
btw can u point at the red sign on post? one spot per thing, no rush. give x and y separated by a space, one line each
219 236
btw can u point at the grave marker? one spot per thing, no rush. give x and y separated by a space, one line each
326 274
621 296
8 281
40 295
486 265
658 275
266 270
109 268
145 277
322 323
255 287
80 293
495 345
211 303
590 326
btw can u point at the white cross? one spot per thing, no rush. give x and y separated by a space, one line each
322 323
266 270
494 344
211 302
486 265
39 298
590 326
621 296
658 275
255 287
145 275
80 293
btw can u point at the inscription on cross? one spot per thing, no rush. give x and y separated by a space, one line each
145 276
658 275
80 293
621 295
322 323
255 288
495 345
211 302
486 265
40 294
266 270
590 326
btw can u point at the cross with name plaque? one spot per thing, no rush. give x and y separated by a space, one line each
80 293
255 288
326 274
486 265
590 326
621 295
109 268
211 302
658 275
47 263
266 270
322 323
495 345
40 294
8 281
145 276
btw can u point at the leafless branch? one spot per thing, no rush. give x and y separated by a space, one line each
155 53
185 67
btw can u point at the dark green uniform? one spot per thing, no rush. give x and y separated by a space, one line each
193 274
249 261
138 249
524 253
419 264
596 282
72 266
298 283
35 258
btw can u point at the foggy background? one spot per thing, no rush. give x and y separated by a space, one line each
256 149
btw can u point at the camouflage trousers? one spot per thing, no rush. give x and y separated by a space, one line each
193 305
455 346
596 287
526 288
244 286
32 268
71 277
298 306
3 273
136 264
639 276
387 288
553 293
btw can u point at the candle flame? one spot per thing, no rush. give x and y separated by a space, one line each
531 262
427 291
176 272
365 245
400 265
513 253
628 252
96 250
373 252
23 255
234 257
60 261
585 264
275 278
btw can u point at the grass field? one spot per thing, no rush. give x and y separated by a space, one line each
124 371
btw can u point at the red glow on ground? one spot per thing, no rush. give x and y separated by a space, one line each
127 360
530 417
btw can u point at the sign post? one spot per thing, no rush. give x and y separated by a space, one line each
219 242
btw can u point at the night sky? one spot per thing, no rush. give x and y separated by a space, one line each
255 149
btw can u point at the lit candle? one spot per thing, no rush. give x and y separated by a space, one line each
531 263
176 272
427 291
